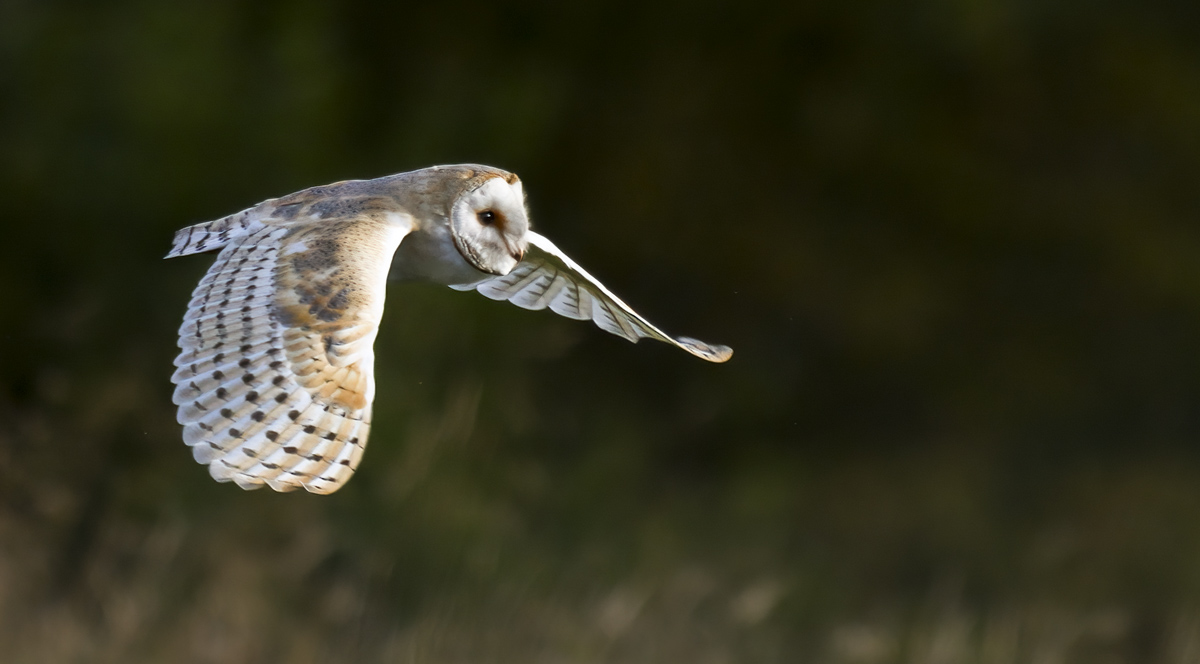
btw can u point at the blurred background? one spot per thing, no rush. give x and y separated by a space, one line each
953 244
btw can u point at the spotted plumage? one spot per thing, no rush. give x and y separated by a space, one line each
274 381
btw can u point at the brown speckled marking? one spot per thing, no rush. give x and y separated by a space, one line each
329 305
233 362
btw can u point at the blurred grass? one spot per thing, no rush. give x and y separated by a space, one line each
953 245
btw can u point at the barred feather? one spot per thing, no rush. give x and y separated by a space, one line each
212 235
274 380
548 278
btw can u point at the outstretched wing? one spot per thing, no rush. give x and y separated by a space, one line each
548 278
275 378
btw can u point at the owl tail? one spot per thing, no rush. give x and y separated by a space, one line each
210 235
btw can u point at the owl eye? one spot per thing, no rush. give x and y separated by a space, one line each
487 217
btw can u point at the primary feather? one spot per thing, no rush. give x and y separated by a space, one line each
274 381
549 278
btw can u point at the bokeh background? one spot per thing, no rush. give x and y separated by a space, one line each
955 246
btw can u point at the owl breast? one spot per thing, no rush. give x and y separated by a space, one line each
430 255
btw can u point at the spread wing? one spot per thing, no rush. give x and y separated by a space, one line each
549 278
275 378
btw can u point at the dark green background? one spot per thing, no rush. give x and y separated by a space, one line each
955 246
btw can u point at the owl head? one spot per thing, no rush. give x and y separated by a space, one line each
488 221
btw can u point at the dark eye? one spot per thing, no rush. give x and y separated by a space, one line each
487 217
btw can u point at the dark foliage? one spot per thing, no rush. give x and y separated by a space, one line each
955 247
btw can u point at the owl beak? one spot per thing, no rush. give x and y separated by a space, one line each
518 254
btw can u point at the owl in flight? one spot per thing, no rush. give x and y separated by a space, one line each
275 379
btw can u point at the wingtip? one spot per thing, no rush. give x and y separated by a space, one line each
711 352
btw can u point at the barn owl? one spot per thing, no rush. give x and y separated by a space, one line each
274 380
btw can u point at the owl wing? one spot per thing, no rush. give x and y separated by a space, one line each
549 278
275 378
